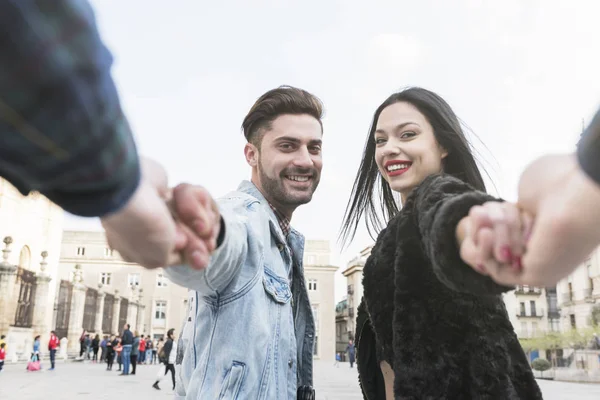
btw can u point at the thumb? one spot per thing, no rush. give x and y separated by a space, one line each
156 175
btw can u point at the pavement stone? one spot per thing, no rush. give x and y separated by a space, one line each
84 380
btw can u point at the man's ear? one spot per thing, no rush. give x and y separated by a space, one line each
251 153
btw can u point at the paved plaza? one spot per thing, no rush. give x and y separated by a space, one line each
91 381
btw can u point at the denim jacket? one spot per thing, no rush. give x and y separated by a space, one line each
249 333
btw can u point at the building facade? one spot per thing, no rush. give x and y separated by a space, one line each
99 292
31 233
579 295
320 276
346 310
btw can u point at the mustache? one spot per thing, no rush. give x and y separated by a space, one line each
300 171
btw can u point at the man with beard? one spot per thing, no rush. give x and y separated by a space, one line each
250 330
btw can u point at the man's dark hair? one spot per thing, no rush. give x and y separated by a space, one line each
2 345
276 102
2 337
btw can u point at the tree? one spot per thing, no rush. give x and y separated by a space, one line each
541 364
595 316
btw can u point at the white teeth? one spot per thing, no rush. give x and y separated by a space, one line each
395 167
298 178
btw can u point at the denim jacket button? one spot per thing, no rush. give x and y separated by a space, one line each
290 363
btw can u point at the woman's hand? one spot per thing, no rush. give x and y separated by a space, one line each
492 240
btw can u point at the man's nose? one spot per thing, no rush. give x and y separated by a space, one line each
303 159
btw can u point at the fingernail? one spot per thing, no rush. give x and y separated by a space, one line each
506 254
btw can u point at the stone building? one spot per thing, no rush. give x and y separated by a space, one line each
99 292
320 275
579 295
31 231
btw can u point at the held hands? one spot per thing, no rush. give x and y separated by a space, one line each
162 227
493 240
564 202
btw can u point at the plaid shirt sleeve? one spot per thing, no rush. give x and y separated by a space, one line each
588 150
62 129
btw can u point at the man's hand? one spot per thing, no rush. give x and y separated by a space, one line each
566 206
147 232
198 217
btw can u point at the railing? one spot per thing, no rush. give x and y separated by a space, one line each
537 313
525 289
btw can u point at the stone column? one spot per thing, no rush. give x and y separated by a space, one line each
100 310
116 310
40 310
140 313
132 311
8 274
77 307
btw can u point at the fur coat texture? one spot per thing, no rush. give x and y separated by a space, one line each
441 326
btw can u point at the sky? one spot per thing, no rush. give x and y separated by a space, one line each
521 74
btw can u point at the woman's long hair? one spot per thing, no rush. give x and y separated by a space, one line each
380 204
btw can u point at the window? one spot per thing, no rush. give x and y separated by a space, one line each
81 251
315 311
108 252
532 308
133 279
311 259
160 313
534 329
573 322
105 278
312 284
522 308
524 332
161 280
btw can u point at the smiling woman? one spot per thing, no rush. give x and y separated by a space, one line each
428 325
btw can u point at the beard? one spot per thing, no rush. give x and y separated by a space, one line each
279 193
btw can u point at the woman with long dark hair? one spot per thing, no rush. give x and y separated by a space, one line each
429 326
167 356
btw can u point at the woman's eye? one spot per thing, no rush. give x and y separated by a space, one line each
406 135
379 140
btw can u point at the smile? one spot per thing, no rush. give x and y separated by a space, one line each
397 167
298 178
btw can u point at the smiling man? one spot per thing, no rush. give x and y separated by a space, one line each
250 330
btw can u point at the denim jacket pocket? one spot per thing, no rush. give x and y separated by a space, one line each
232 383
277 287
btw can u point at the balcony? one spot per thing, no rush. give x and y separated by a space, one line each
530 290
588 294
567 298
537 313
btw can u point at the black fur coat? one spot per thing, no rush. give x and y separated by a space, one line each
441 326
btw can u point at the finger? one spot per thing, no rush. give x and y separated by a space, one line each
515 233
479 218
502 250
196 253
527 226
468 252
190 203
485 246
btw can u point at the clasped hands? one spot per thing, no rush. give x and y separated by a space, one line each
162 226
493 240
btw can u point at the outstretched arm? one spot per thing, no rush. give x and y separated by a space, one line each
441 202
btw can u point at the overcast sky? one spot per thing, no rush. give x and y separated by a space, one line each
522 74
